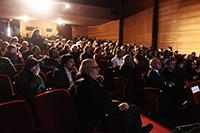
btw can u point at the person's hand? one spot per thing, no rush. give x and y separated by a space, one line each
74 69
123 106
100 78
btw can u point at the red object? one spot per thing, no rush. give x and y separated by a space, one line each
16 117
157 128
6 88
55 112
195 96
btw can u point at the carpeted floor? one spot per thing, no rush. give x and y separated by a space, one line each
157 127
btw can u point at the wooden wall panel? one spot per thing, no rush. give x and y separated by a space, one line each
79 31
138 28
108 31
179 25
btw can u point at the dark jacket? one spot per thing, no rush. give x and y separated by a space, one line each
60 78
28 85
48 64
135 84
155 80
92 102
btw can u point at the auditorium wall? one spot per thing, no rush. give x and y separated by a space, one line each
79 31
108 31
179 25
46 28
138 27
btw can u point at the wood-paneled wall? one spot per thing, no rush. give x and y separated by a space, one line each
179 25
108 31
138 28
79 31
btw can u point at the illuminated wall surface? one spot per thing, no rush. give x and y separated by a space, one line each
46 28
108 31
138 28
179 25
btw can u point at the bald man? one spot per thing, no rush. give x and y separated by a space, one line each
154 77
96 108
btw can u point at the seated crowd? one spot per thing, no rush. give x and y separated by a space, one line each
76 65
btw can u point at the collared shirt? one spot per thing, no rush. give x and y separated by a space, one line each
69 75
156 71
117 61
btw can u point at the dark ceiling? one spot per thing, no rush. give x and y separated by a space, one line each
81 12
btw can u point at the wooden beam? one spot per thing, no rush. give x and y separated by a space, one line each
121 23
155 24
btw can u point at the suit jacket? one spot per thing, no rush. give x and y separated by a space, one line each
92 102
155 80
60 79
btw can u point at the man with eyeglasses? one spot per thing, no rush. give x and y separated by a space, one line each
96 109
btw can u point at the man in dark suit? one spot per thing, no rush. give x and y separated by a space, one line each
96 108
154 78
64 77
168 96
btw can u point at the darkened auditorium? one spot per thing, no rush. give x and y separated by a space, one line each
99 66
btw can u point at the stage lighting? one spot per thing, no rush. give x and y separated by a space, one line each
59 21
67 6
41 5
24 18
9 30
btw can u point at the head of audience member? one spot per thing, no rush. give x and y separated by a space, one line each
14 40
67 49
169 64
4 47
32 66
36 52
53 53
35 33
128 60
24 45
90 68
87 49
98 51
155 64
67 61
74 48
180 63
119 53
11 50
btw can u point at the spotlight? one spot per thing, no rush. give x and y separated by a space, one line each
67 6
41 5
59 21
24 18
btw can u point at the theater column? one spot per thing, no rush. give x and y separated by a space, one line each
121 22
155 24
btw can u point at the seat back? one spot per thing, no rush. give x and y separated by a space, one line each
6 88
119 88
152 99
55 112
194 88
16 117
18 67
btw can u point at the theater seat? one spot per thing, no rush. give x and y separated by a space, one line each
16 117
152 98
119 88
6 88
194 88
55 113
